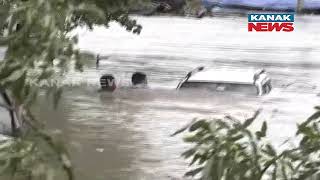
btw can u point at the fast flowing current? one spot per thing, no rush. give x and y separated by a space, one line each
126 135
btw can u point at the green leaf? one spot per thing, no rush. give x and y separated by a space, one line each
262 133
189 153
184 128
270 150
194 172
249 121
264 129
315 116
191 138
195 158
199 124
236 138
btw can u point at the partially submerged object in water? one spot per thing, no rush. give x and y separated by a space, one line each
139 79
244 82
108 83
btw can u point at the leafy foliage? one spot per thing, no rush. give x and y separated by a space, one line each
192 7
36 157
225 149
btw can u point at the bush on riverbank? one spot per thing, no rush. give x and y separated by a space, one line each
193 7
228 149
174 7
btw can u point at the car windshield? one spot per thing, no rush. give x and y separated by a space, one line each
248 89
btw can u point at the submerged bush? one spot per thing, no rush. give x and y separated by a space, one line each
226 149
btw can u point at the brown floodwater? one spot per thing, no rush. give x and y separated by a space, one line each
126 135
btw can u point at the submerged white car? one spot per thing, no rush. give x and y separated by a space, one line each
249 82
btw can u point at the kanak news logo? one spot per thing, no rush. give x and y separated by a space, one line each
271 22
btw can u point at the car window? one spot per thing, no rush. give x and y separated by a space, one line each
199 85
248 89
242 88
5 118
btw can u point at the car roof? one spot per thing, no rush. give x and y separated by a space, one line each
227 76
